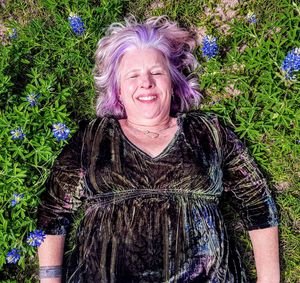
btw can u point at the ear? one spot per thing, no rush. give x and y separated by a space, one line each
120 98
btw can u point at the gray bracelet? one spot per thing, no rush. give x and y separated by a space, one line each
50 271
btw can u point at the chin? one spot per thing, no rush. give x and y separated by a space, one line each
150 114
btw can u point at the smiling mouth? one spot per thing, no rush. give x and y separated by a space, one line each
147 98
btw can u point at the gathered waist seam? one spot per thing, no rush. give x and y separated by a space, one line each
119 196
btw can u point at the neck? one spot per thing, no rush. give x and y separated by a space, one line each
151 125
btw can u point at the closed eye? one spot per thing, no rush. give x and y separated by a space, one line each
133 76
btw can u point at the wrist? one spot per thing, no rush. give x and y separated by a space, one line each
50 272
269 279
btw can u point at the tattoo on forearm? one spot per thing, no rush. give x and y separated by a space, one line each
50 271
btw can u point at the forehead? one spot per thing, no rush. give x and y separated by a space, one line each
138 58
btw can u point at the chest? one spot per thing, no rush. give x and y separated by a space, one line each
174 163
152 144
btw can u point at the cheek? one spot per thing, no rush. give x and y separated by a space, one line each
166 87
166 84
129 88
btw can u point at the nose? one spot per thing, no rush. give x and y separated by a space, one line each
146 80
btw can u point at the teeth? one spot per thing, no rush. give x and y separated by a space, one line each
147 97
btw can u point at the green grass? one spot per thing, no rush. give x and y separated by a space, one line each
243 85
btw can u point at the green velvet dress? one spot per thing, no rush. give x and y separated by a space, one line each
135 218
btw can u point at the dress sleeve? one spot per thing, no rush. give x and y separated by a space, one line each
64 188
246 185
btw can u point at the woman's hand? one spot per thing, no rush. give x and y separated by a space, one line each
266 254
51 255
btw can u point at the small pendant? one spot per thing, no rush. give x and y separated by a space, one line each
152 135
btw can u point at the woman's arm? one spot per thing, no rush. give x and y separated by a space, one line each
59 203
266 254
51 256
251 197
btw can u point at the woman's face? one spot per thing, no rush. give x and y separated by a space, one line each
145 85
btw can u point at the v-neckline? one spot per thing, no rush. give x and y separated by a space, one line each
165 150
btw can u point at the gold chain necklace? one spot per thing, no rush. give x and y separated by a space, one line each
151 134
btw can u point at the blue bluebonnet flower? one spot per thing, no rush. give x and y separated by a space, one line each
12 33
13 256
17 198
76 24
291 63
210 46
251 18
60 131
32 99
36 238
17 134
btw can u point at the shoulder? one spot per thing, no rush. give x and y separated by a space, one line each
198 119
83 128
208 125
94 126
97 130
199 115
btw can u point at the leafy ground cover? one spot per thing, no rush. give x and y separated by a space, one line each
249 76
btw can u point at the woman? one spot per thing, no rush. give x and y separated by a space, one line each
139 186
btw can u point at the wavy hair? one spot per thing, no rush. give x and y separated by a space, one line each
176 44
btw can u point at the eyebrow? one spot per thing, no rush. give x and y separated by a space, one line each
131 71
